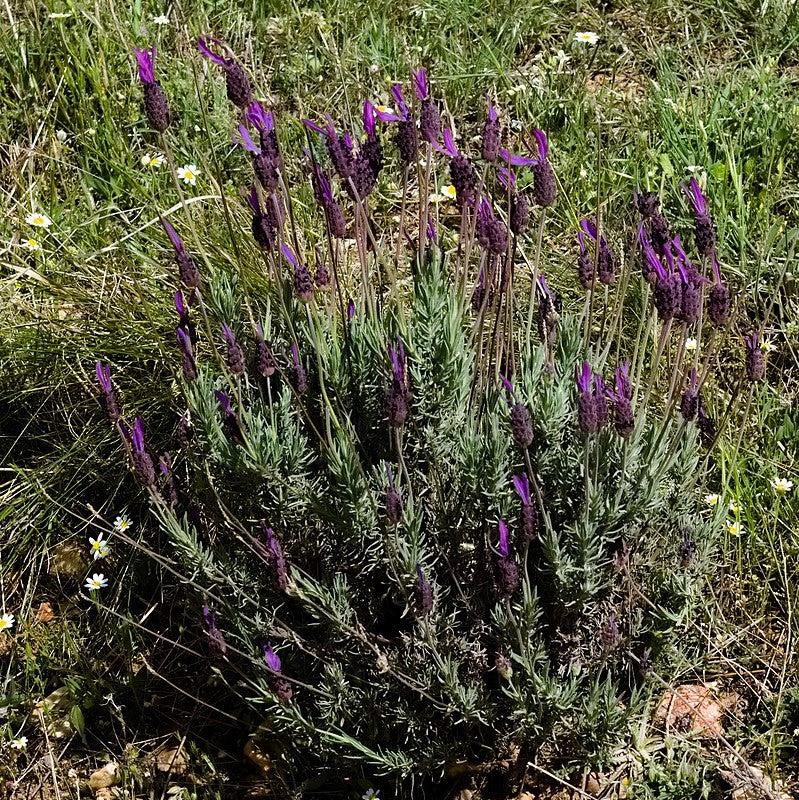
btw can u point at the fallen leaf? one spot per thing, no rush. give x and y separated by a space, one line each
44 613
171 759
104 777
693 709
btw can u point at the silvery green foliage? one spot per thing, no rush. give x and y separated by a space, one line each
605 589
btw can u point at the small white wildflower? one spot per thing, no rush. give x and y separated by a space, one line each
61 135
735 508
99 547
690 344
734 528
38 220
97 581
91 131
586 37
768 346
152 160
449 191
20 743
782 485
122 523
6 622
161 19
371 794
188 174
712 499
384 109
31 244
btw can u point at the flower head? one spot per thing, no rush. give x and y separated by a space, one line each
6 622
20 743
188 174
152 160
146 61
31 244
712 500
38 220
734 528
586 37
161 19
782 485
272 658
122 523
96 582
99 547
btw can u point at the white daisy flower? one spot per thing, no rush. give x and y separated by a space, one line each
712 499
734 528
31 244
61 135
20 743
448 191
161 19
371 794
6 622
690 344
782 485
99 547
38 220
152 160
586 37
97 581
122 523
768 346
188 174
735 508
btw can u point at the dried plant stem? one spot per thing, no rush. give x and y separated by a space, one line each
661 345
534 278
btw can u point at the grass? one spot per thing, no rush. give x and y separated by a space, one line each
672 88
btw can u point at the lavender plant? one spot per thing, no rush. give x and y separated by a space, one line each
419 534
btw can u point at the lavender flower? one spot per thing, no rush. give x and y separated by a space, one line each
600 401
393 500
529 514
703 224
586 407
545 187
275 558
585 264
231 423
156 106
269 162
263 229
321 273
406 139
235 355
350 310
755 360
689 402
216 641
648 205
507 570
651 266
668 287
706 425
519 213
303 285
108 396
142 462
521 423
339 147
170 489
549 308
490 231
298 377
422 594
491 133
187 270
605 258
429 118
609 633
277 683
461 171
187 351
236 81
718 302
265 357
398 396
623 417
323 192
692 285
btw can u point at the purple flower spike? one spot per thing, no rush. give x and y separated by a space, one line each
146 61
491 133
216 642
584 377
246 141
587 416
513 160
755 360
521 423
109 398
237 83
504 545
545 187
369 119
718 302
303 284
689 402
522 485
156 106
272 659
421 83
432 236
288 254
623 416
262 120
398 395
694 194
297 374
235 355
543 144
187 269
351 310
142 462
422 593
275 558
187 349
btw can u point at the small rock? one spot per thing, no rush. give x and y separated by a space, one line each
104 777
171 759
